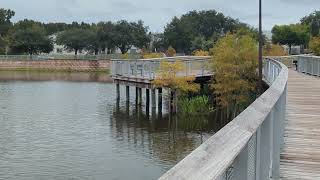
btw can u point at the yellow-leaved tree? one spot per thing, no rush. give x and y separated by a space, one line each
171 52
315 45
200 53
274 50
171 76
151 55
234 63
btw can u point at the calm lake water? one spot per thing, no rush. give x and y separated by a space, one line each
51 128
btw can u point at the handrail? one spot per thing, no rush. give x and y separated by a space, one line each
309 64
181 58
149 68
249 146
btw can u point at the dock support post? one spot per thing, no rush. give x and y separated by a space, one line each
118 91
127 93
153 103
139 96
147 101
153 98
160 100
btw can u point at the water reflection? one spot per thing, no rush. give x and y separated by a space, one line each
63 130
168 138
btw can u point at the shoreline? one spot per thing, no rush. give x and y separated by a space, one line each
55 75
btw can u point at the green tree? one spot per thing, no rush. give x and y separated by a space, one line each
130 34
178 36
3 44
123 38
5 21
94 44
52 28
210 25
200 43
75 39
31 39
294 34
157 43
235 65
5 25
140 34
313 22
106 33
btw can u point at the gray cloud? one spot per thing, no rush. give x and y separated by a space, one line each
157 14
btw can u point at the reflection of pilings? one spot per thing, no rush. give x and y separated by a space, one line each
127 93
140 96
160 100
147 101
118 91
128 108
118 105
137 95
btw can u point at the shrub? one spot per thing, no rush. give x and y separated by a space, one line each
274 50
125 56
200 53
195 105
171 52
194 113
315 45
152 55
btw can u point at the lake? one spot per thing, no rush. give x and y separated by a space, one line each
70 126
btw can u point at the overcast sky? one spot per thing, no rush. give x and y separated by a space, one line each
156 14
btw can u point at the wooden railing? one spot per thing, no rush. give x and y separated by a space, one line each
248 148
309 65
149 68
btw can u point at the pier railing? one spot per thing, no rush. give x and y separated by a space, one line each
248 148
309 65
149 68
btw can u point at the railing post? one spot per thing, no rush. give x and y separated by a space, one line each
278 119
241 165
258 153
265 148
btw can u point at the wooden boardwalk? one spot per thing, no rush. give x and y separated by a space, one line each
300 158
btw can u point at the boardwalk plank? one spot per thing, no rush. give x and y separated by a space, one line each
300 158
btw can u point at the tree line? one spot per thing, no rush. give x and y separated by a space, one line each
306 33
192 31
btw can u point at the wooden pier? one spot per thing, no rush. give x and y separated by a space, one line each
141 72
300 158
265 141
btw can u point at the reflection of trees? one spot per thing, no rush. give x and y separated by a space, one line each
156 135
163 137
